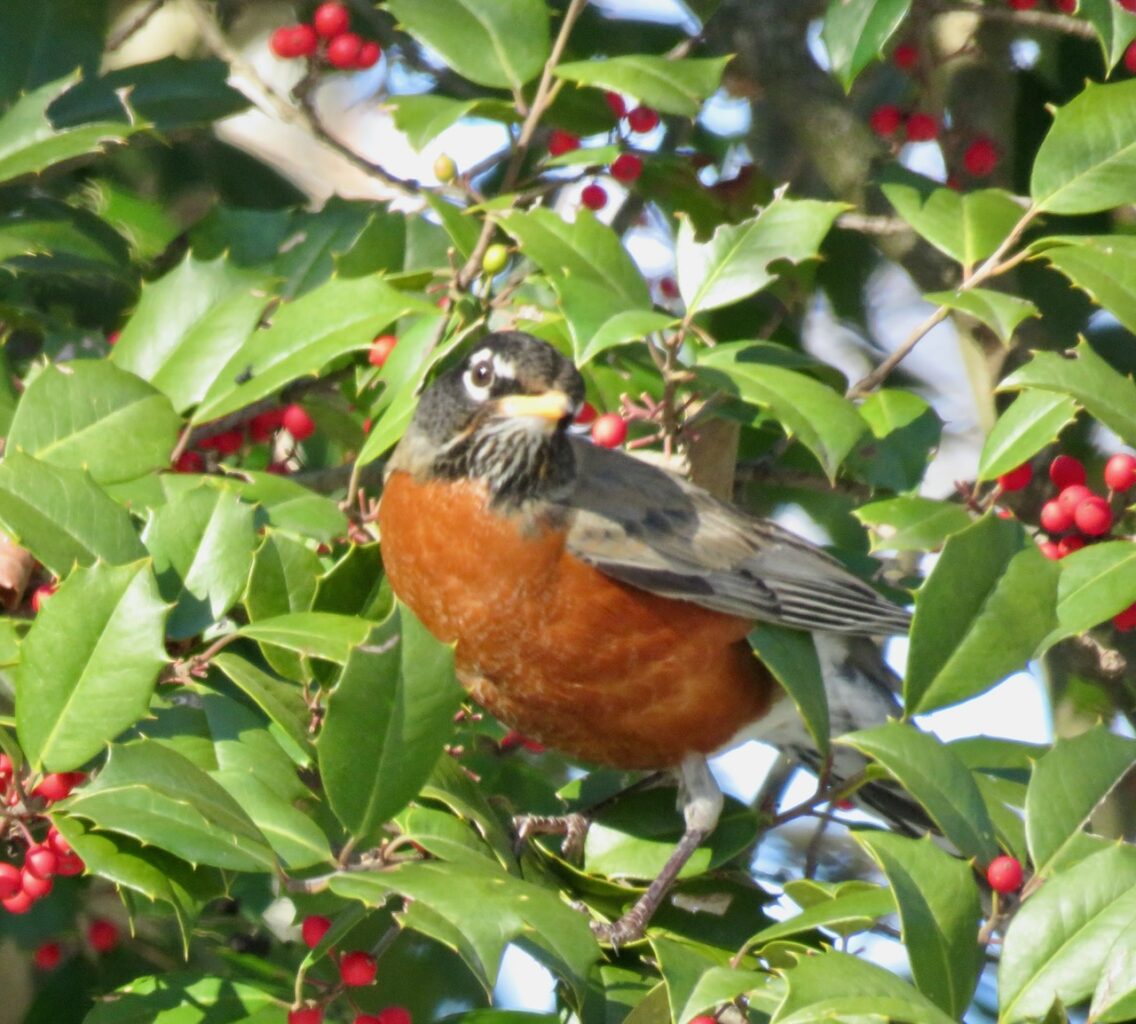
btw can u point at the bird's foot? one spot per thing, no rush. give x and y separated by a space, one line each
573 827
629 928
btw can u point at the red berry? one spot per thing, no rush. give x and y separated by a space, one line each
54 786
594 196
304 41
5 768
1120 472
69 864
41 594
262 426
343 51
585 414
369 54
189 462
395 1015
642 119
669 287
921 128
981 157
1055 517
905 56
1093 516
1065 471
1016 479
102 935
34 887
41 861
560 142
706 1018
331 19
226 443
1130 58
21 903
1050 550
56 841
10 881
357 968
1128 5
1072 496
381 349
1022 5
313 929
112 338
298 423
1004 874
616 104
47 956
609 430
626 168
279 468
1066 6
282 44
1125 620
886 120
1067 545
306 1015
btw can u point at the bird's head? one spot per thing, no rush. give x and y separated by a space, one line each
500 417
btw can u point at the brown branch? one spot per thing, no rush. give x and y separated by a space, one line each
135 24
1051 20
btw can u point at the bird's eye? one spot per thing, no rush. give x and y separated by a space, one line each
482 374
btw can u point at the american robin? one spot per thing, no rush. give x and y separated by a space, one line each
600 604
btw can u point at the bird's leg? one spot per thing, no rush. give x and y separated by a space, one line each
573 827
701 807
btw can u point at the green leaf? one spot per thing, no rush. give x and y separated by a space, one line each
488 909
62 516
294 837
281 702
983 612
188 323
720 985
735 262
905 432
423 117
312 634
838 986
939 912
1000 312
171 93
289 505
1033 421
1067 785
392 709
464 230
338 317
1114 1000
912 524
628 326
670 86
1086 161
283 579
967 226
154 794
1084 375
202 546
845 913
88 664
856 31
1061 936
42 42
935 776
186 997
499 43
1101 266
826 423
29 143
791 656
1096 583
1115 27
88 414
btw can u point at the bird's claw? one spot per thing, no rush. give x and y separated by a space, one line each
573 827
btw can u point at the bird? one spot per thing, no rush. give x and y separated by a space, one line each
601 604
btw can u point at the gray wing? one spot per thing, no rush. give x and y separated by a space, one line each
644 526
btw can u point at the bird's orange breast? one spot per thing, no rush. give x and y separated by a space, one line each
598 669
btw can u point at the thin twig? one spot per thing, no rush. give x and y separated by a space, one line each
996 263
1052 20
135 24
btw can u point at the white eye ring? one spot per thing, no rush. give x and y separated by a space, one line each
478 379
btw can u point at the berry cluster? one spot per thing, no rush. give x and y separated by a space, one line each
356 969
260 429
327 37
625 168
1077 516
25 815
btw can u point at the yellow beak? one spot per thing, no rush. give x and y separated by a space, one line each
551 405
